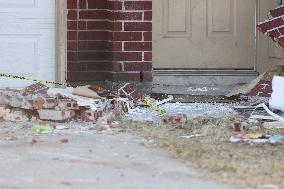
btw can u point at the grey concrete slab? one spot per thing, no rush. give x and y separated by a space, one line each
91 160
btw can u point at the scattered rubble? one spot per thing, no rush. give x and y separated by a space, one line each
260 89
257 138
174 119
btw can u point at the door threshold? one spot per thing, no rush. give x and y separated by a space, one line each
203 77
180 72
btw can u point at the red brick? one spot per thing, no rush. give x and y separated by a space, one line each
138 66
44 103
116 67
175 119
67 104
82 25
114 5
77 66
72 56
148 15
138 46
82 4
95 56
147 56
116 46
89 76
277 12
146 76
72 35
262 89
102 66
91 14
138 26
127 36
96 50
71 4
37 88
92 45
126 76
127 15
93 35
138 5
275 33
72 45
129 91
147 36
127 56
97 25
97 4
72 25
90 116
268 25
115 26
72 15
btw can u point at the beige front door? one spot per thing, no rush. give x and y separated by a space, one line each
204 34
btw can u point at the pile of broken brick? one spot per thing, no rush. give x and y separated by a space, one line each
274 26
87 103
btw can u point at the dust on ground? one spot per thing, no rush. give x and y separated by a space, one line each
208 149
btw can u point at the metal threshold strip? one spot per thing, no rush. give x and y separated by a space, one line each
183 72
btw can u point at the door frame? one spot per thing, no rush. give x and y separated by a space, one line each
218 72
61 41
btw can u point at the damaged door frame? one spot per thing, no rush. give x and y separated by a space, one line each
61 41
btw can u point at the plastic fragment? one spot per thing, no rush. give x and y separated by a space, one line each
151 103
42 128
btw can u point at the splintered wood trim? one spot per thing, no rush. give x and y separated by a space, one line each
61 40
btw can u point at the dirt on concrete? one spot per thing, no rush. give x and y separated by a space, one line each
204 144
78 157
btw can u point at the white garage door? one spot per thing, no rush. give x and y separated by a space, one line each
27 40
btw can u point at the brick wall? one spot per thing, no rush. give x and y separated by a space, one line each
109 40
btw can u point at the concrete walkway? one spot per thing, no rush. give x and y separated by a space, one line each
92 161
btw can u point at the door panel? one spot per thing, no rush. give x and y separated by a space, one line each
27 40
203 34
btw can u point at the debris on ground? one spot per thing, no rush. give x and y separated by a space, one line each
54 110
274 125
260 89
101 107
42 128
257 138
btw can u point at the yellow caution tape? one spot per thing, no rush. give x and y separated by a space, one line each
152 105
32 79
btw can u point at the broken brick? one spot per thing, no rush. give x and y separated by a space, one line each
64 140
119 105
15 99
37 88
261 92
101 91
279 11
262 89
274 26
67 104
129 91
44 103
90 116
175 119
56 115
